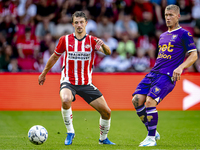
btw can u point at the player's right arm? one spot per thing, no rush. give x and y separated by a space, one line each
60 48
52 60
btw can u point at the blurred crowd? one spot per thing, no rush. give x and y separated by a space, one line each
30 30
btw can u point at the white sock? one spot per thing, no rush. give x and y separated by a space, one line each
104 126
152 137
67 118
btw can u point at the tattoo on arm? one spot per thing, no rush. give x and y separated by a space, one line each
105 52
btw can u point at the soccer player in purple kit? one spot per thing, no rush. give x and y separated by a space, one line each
160 81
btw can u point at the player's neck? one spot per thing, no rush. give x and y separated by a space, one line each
80 35
177 26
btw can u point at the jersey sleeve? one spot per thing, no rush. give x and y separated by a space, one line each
188 42
60 48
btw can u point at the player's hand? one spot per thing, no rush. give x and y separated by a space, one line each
177 74
41 79
99 44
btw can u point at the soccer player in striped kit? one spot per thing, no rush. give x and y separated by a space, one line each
173 44
79 49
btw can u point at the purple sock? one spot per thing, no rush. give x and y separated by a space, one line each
141 112
152 118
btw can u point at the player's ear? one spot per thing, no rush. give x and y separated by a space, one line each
179 16
72 24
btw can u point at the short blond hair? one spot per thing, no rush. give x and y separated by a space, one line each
173 7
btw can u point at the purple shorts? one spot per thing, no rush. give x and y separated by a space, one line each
155 85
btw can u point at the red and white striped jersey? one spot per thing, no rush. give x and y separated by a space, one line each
78 58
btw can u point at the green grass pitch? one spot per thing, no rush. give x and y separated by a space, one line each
178 130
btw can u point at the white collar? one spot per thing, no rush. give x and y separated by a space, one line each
174 30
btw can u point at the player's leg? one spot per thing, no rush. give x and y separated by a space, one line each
152 123
139 97
138 101
66 98
152 120
94 97
104 123
162 85
152 116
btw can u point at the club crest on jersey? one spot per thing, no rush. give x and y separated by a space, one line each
174 36
87 46
156 90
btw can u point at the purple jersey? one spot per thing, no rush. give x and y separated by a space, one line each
172 48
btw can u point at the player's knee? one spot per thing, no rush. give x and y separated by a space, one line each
66 99
151 103
148 103
135 101
138 100
106 114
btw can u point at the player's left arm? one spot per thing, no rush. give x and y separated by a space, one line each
189 44
102 47
187 63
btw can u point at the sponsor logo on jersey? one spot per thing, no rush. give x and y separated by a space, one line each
163 48
87 46
191 44
71 45
165 56
161 38
78 55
